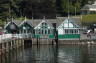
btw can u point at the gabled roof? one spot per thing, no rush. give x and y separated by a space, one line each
35 22
43 21
87 7
28 22
9 24
68 23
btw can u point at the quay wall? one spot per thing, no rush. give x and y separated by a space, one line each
61 42
5 46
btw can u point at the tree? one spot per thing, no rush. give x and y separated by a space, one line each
72 6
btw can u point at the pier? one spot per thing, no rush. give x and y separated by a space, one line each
36 34
14 43
18 48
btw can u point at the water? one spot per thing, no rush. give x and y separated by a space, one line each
51 54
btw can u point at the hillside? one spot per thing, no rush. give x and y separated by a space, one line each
88 19
35 8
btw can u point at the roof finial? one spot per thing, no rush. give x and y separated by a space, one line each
32 18
7 19
56 16
68 10
25 19
12 19
43 17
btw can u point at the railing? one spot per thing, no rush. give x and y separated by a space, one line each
5 37
29 35
16 36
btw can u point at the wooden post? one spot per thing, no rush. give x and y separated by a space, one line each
7 47
3 48
11 45
0 49
55 33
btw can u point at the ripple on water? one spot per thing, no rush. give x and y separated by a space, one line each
52 54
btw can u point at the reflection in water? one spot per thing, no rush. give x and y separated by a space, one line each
51 54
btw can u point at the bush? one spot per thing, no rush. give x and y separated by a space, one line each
88 19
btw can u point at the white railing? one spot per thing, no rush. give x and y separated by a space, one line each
5 36
16 36
29 35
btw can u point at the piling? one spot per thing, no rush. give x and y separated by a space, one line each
55 33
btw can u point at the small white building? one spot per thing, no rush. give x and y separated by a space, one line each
89 9
68 29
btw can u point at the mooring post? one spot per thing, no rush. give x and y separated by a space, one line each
56 37
6 46
55 33
14 44
37 40
2 47
11 44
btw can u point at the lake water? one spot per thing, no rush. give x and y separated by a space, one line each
51 54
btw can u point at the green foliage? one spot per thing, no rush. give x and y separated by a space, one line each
73 6
88 19
1 23
18 8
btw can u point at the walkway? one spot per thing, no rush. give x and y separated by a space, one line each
5 37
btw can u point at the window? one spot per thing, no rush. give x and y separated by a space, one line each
28 31
42 31
24 31
45 31
45 24
21 31
39 31
42 24
36 31
76 31
66 31
48 31
72 31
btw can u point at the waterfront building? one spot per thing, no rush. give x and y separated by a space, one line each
23 28
68 29
11 28
44 29
89 9
26 28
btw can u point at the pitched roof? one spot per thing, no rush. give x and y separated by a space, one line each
35 22
10 23
68 23
27 21
87 7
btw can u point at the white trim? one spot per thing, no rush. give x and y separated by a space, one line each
24 22
92 9
41 23
9 24
69 22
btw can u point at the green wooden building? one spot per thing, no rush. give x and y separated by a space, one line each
23 28
43 30
68 30
26 28
11 28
